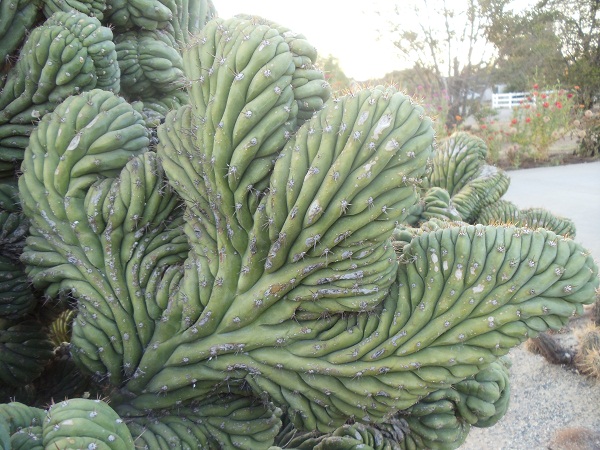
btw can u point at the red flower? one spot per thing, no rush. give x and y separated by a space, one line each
546 104
543 95
514 121
535 86
483 127
569 95
528 119
558 105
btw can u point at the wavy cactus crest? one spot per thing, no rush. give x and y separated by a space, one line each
249 258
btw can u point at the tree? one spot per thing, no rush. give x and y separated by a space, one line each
448 43
527 46
557 40
578 25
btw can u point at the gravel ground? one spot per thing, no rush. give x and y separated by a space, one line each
546 398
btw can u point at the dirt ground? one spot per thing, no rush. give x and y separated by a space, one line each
552 406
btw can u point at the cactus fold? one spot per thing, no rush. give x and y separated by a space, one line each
311 91
434 204
456 161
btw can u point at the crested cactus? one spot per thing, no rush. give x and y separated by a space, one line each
74 51
250 270
458 166
69 53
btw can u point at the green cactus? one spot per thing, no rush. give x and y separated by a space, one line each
256 265
542 218
231 421
440 420
16 295
388 436
489 185
311 91
456 161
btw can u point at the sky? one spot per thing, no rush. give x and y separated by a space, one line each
348 30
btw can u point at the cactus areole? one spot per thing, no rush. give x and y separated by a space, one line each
241 277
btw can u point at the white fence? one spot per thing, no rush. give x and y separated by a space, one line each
510 99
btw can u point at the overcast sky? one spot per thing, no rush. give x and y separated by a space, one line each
347 30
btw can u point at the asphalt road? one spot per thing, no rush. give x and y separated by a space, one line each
571 191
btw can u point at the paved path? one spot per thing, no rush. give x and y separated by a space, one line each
544 397
571 191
